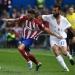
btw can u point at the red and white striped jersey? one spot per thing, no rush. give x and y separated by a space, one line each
31 30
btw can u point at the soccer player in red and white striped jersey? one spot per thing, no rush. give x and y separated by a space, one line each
31 31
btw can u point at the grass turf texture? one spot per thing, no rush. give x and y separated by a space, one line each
13 63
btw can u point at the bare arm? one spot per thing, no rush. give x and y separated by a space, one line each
11 20
52 33
72 30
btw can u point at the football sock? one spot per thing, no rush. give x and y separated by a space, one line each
33 59
23 52
61 61
68 55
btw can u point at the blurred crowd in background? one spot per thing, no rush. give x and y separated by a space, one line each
11 32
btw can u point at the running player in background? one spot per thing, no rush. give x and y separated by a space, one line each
58 24
31 31
71 37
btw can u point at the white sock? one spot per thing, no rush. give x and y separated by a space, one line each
61 61
29 61
68 55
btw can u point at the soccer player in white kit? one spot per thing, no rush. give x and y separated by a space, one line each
58 24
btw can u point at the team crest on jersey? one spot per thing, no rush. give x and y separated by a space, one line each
58 29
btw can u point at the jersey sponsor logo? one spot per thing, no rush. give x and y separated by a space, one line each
59 29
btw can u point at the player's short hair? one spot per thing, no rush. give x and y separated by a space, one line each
71 7
32 11
58 6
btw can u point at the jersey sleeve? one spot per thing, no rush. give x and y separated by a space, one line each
40 24
23 19
67 24
46 18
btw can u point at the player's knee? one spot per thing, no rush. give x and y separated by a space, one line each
64 53
20 48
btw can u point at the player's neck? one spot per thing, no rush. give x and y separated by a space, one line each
71 13
58 17
32 21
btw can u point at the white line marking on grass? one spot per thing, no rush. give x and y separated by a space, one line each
44 54
15 51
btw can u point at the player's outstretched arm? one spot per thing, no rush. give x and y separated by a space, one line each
10 20
52 33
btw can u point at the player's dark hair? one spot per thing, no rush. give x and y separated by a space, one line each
32 11
58 6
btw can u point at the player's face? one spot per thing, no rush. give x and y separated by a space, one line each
71 10
56 12
30 16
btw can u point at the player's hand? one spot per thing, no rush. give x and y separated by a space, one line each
4 19
60 37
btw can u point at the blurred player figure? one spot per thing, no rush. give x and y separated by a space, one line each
71 37
31 31
58 24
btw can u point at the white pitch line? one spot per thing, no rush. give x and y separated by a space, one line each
44 54
33 53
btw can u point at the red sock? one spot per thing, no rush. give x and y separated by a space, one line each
33 59
23 52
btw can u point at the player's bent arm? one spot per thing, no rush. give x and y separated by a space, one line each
52 33
72 30
11 20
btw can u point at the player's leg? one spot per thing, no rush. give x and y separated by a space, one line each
63 47
22 50
28 43
33 59
70 46
69 37
73 45
24 54
54 45
59 57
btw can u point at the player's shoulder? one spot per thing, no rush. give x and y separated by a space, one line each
63 18
49 15
25 17
74 14
37 21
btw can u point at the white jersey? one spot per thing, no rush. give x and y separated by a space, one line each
58 29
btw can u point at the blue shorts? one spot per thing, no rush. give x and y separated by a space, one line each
27 42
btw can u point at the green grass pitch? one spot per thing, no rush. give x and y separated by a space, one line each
12 63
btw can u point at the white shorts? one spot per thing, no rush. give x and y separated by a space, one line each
58 42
